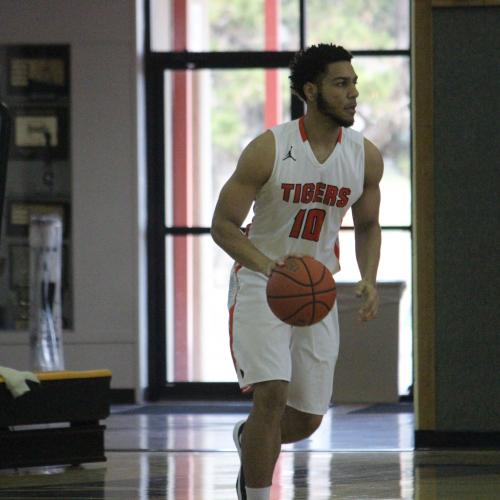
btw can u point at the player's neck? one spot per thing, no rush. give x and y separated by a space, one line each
320 129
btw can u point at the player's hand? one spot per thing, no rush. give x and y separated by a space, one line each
369 294
271 264
279 262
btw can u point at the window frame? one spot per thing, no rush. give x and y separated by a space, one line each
156 63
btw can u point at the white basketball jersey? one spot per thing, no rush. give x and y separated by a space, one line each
301 206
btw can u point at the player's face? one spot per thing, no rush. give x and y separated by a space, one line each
337 93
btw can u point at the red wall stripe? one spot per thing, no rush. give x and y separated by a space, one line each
182 201
272 105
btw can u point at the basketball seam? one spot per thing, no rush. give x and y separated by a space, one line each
311 284
295 313
316 297
320 303
291 278
321 277
308 294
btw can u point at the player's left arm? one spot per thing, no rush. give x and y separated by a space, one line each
367 232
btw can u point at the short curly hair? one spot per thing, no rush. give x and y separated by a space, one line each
307 65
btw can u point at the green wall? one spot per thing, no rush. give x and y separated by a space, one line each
467 217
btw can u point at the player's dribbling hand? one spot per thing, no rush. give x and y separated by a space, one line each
369 294
271 264
279 262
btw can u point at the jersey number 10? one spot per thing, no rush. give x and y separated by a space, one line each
308 227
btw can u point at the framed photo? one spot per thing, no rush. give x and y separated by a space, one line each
19 266
19 214
38 71
39 133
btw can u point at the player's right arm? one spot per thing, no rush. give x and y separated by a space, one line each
235 200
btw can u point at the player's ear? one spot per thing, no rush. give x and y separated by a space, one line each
310 91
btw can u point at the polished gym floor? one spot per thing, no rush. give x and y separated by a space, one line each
184 451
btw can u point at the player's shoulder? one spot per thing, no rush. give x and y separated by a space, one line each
286 133
257 158
352 136
372 153
261 147
374 163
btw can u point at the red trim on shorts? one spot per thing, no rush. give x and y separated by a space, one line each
231 338
248 388
336 249
231 319
231 315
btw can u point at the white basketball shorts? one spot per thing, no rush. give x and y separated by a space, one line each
264 348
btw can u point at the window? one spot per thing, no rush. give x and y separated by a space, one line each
218 76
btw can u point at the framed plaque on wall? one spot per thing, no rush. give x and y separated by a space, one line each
36 89
39 133
38 71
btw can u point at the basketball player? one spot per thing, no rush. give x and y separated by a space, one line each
303 177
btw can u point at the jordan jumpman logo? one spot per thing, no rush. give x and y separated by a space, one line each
289 155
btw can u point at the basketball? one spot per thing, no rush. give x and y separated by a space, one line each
302 292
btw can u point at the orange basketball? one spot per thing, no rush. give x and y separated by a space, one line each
302 292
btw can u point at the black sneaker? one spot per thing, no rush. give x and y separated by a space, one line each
240 482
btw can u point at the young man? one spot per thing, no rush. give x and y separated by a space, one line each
303 177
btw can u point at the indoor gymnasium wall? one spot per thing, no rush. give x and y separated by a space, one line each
106 167
455 74
466 45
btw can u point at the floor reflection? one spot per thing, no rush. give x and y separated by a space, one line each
299 475
191 457
343 429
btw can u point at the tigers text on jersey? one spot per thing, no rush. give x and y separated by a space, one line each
301 206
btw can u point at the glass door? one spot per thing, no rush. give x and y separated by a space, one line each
210 116
217 76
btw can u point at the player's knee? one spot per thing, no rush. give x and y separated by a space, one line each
270 398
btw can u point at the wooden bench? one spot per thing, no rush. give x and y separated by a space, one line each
57 421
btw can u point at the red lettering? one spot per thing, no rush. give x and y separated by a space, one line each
343 197
286 191
330 195
307 192
297 224
313 225
298 189
318 193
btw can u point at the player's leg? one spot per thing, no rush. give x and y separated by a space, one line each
261 438
297 425
314 352
260 345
